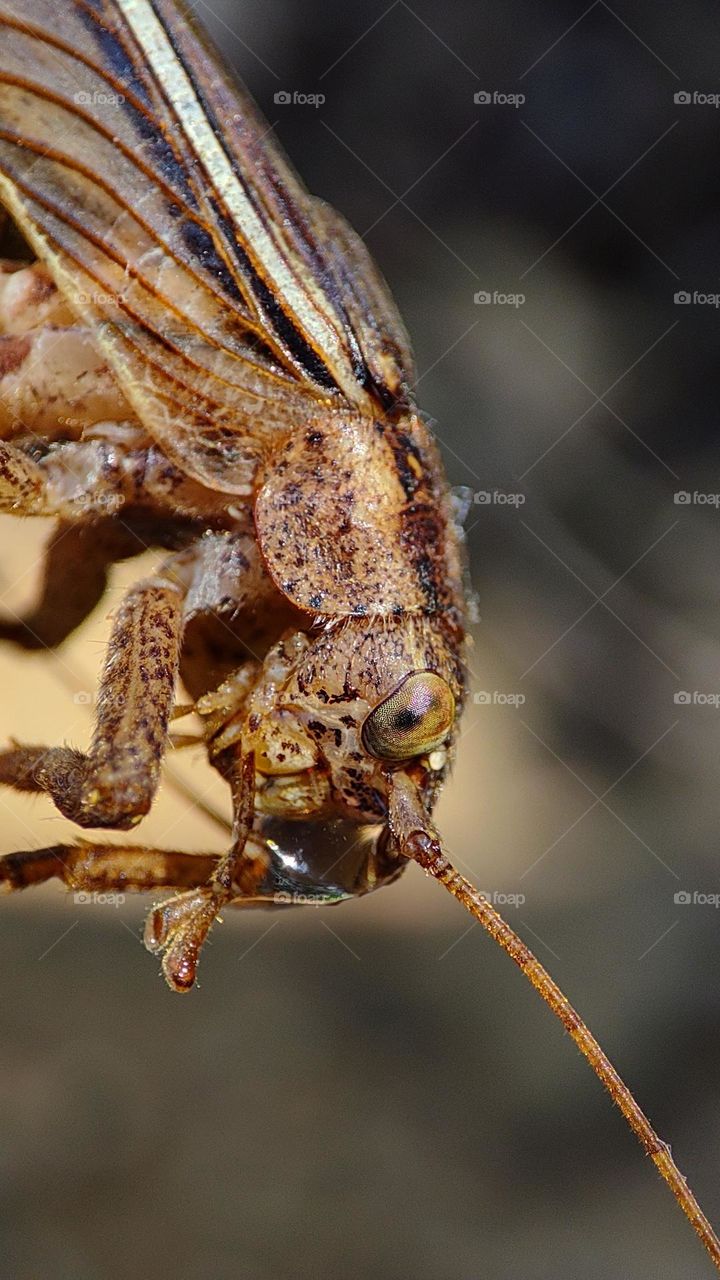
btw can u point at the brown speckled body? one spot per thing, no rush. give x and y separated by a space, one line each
229 381
203 359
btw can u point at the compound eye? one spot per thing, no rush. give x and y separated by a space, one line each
415 718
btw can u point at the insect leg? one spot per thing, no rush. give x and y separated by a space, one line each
114 784
98 868
74 480
178 928
21 482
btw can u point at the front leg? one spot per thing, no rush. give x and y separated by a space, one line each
114 784
73 480
178 928
99 476
92 867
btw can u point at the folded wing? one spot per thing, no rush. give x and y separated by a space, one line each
229 303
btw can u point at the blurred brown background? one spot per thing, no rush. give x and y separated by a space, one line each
374 1091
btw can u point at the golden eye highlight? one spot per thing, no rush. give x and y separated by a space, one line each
414 719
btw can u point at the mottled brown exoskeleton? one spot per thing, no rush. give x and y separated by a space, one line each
240 389
202 359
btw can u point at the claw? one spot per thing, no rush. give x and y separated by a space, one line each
179 928
166 918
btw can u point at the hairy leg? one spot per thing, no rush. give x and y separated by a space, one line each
68 597
179 927
76 480
113 468
73 480
21 481
114 784
91 867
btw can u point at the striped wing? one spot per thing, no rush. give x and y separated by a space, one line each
230 304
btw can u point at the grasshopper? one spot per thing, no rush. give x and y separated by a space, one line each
202 358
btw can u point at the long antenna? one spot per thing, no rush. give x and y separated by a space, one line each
429 855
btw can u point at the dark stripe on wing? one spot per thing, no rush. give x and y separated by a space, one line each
119 64
284 327
302 352
252 342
